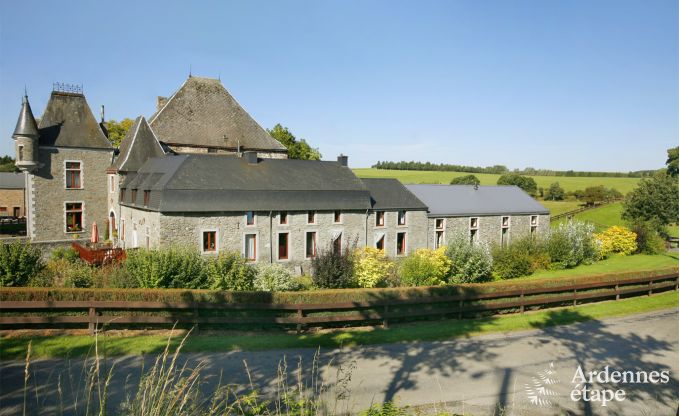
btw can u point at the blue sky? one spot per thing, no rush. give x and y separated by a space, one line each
590 85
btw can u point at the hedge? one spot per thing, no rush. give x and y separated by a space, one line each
306 297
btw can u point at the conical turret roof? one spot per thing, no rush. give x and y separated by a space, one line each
26 125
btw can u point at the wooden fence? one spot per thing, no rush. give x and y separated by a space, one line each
93 314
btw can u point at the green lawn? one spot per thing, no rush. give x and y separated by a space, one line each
560 207
623 185
602 217
74 346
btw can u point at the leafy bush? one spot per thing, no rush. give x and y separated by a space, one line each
526 183
371 267
65 253
616 239
166 268
274 278
230 271
555 192
465 180
648 239
470 263
425 267
511 261
333 270
572 244
19 262
65 273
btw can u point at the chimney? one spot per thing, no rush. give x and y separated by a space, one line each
250 157
343 160
160 102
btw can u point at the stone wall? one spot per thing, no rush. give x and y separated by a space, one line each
415 229
489 227
203 150
138 228
49 194
11 199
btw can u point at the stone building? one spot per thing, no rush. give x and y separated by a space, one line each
202 173
12 195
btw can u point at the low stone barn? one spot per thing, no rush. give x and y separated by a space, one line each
492 214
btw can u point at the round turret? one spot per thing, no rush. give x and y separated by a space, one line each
26 138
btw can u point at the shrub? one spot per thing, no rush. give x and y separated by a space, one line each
425 267
64 273
515 259
465 180
470 263
19 262
648 239
616 239
230 271
275 278
555 192
371 267
526 183
333 270
166 268
572 244
66 253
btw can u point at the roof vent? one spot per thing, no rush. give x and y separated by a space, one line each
343 160
250 157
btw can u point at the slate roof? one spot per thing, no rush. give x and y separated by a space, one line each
138 145
26 125
387 193
464 200
68 122
214 183
11 180
201 113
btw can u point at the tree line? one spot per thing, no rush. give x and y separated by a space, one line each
501 169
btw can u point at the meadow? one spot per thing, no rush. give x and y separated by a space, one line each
623 185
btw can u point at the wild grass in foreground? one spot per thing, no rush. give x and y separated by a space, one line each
79 346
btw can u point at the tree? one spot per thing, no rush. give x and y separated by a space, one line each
466 180
555 192
7 164
116 130
297 149
524 182
594 195
655 199
673 161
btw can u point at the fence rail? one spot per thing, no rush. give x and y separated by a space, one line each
95 313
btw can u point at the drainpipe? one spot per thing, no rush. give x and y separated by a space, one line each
271 237
367 216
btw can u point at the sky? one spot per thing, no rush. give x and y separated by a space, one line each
584 85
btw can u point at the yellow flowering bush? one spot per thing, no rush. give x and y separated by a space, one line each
616 239
371 267
425 267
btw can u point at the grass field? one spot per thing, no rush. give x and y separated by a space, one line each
77 346
623 185
560 207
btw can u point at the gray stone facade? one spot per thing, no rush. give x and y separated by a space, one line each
49 195
489 228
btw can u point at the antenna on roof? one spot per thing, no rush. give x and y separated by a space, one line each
189 70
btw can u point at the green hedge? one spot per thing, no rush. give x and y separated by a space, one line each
315 296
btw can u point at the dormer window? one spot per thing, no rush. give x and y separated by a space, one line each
134 196
147 197
73 175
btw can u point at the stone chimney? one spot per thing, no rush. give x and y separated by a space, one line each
160 102
343 160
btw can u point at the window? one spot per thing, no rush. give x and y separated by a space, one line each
283 218
74 217
380 243
209 241
134 196
21 153
401 218
337 217
473 229
282 246
379 219
533 224
147 197
112 183
505 222
473 223
505 237
310 244
73 175
250 251
337 244
17 212
439 224
400 244
473 236
250 218
122 194
3 210
311 217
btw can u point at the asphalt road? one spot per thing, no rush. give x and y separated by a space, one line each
525 373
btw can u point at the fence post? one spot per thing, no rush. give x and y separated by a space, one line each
676 284
650 287
575 297
300 315
195 321
385 321
522 306
92 315
617 291
459 309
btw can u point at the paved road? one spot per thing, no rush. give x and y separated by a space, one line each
474 375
